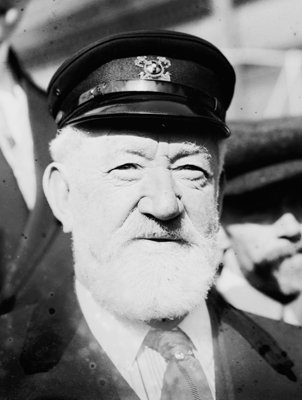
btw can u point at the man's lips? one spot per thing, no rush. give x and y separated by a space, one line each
159 239
162 239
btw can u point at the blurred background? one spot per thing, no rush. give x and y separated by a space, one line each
262 38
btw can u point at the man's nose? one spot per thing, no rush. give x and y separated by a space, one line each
161 199
288 227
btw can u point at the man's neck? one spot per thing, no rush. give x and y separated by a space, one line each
166 323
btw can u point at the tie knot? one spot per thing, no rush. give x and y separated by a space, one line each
170 344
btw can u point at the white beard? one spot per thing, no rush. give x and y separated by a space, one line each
144 281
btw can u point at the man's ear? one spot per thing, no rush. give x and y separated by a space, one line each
56 189
221 187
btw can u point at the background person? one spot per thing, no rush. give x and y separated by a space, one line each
27 226
262 217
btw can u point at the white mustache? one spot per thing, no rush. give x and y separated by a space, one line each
182 230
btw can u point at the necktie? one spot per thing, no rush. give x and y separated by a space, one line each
184 377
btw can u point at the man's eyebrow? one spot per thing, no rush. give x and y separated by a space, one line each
185 150
136 152
189 149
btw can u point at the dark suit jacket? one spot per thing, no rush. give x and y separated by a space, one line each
49 353
36 266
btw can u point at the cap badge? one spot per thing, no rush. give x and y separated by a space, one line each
154 68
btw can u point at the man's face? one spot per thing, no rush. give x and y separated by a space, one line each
265 232
145 218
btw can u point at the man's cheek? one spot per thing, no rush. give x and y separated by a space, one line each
204 219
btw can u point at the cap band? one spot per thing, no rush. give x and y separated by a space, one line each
150 86
141 86
103 90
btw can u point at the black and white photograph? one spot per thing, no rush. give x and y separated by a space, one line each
150 200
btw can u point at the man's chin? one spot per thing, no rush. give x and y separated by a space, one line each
149 285
155 308
153 292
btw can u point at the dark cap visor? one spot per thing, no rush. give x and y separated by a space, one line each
146 108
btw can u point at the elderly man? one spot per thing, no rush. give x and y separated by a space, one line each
262 216
27 226
136 179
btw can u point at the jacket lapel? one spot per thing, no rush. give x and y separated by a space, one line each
223 379
60 344
248 360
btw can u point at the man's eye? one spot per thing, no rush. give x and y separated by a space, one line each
126 172
192 173
126 166
192 168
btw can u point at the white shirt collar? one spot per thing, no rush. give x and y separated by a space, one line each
197 326
112 333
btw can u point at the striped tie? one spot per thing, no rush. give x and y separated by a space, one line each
184 378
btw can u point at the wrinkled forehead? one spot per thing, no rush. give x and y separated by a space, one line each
146 141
